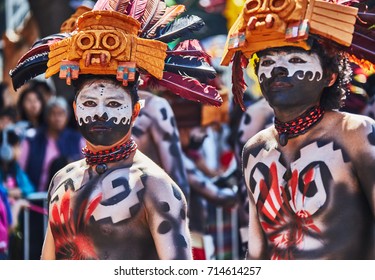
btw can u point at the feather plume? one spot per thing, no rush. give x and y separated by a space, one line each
188 88
153 11
192 66
238 82
179 28
111 5
136 8
170 14
34 61
189 48
28 69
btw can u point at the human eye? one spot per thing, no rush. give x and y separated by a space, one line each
89 103
297 59
267 62
113 104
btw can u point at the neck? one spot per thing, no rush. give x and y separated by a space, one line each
292 112
113 154
299 125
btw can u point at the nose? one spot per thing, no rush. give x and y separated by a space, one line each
101 117
279 72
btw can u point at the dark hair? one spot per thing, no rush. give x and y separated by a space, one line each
9 111
333 60
3 87
21 99
132 88
40 86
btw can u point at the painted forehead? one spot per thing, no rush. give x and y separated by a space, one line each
101 88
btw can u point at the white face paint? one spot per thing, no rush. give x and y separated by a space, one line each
293 62
102 97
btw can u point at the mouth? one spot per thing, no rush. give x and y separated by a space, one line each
280 85
99 129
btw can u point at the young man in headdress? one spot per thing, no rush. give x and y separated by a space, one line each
310 176
116 203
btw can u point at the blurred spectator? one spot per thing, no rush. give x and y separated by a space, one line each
4 239
15 185
8 115
43 87
52 142
6 99
2 92
31 106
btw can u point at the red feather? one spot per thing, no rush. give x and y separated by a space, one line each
189 48
238 82
111 5
188 88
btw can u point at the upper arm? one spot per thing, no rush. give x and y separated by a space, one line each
257 244
48 250
166 136
364 160
166 214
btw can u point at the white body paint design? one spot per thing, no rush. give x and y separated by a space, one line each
102 96
300 204
121 210
282 59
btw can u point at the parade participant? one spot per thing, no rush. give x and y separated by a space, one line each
156 135
309 176
116 203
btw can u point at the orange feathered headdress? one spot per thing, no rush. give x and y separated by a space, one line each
122 38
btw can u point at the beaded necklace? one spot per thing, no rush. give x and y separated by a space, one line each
298 126
112 155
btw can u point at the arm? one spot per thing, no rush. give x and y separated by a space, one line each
165 133
257 244
166 216
48 250
257 117
203 185
364 160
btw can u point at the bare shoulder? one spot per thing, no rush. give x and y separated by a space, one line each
264 139
155 180
70 171
353 126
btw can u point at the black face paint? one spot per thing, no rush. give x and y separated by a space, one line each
104 113
291 78
104 133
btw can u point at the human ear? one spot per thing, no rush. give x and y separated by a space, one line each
331 79
136 109
75 109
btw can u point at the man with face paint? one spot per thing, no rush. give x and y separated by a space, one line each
106 208
309 176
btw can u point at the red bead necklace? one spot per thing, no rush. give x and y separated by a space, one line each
298 126
114 154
